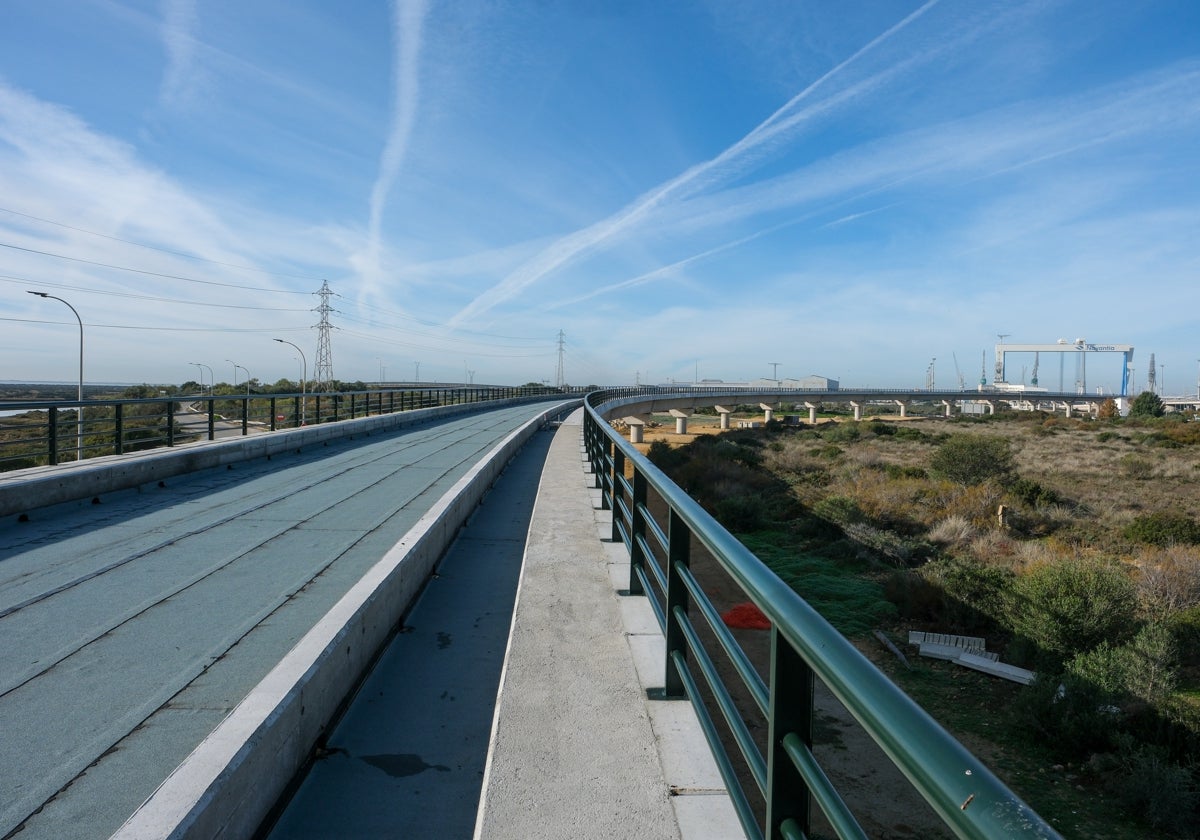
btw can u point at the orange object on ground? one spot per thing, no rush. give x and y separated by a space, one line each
746 617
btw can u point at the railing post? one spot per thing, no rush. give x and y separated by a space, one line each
119 429
212 420
52 435
170 415
272 414
637 532
790 711
245 416
616 491
679 550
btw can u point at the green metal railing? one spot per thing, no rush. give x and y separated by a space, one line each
39 433
804 648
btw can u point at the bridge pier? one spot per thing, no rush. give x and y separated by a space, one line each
991 406
724 412
903 408
681 418
636 427
947 404
812 413
857 406
768 412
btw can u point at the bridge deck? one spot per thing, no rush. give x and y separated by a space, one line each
132 627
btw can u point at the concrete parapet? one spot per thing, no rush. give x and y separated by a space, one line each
36 487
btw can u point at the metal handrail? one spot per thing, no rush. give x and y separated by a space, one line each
47 432
965 794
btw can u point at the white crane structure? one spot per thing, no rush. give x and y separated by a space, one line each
1079 349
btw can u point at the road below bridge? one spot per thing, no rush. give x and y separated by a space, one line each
132 627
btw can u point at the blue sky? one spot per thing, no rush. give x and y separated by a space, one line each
683 188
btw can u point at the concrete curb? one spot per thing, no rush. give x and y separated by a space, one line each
22 490
234 777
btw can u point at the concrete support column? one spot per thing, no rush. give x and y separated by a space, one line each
991 406
903 408
857 409
1067 406
681 418
724 412
768 412
636 428
812 413
947 404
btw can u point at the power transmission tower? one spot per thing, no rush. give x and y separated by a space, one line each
324 372
559 380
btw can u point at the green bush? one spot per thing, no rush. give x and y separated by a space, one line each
740 514
1163 528
1071 606
1071 715
973 459
1146 404
1136 467
973 594
1033 494
1158 790
839 509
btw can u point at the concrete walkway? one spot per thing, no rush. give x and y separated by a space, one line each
577 748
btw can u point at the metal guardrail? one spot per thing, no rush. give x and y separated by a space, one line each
965 794
39 433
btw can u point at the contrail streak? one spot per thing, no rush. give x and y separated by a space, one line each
407 19
698 176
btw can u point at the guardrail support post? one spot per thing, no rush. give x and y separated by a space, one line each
52 436
637 533
618 469
212 420
791 710
679 541
170 406
118 429
245 416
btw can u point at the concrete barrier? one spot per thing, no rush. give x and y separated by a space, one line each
22 490
231 781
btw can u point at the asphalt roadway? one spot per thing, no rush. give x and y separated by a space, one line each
130 628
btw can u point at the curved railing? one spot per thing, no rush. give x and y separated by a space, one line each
967 796
38 433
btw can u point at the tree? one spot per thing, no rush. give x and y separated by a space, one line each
1147 404
973 459
1108 410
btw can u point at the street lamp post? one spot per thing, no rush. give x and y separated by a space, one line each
303 380
212 379
200 370
236 366
79 393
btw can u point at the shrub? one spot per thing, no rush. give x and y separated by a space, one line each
1160 791
952 530
1136 467
741 514
1033 494
839 509
1163 528
1146 404
973 459
1071 606
973 593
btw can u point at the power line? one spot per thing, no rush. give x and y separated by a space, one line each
156 248
149 273
91 325
8 278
